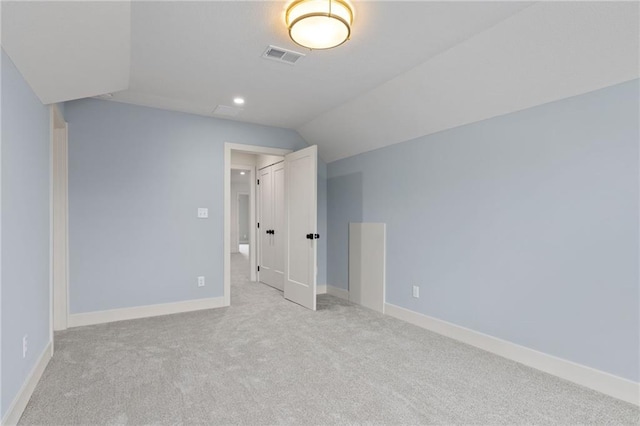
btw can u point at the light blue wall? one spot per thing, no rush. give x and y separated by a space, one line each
25 230
136 178
523 227
344 205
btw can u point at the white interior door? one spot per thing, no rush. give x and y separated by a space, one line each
277 234
265 211
301 226
271 190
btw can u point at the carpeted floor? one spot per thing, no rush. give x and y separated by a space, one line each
268 361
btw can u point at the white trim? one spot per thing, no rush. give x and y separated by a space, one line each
57 125
60 231
68 270
249 149
112 315
253 238
19 403
321 289
52 129
337 292
600 381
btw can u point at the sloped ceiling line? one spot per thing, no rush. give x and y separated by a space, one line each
547 52
411 68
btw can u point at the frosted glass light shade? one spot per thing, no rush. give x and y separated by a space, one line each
319 24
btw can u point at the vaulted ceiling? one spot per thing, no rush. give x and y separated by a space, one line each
69 50
410 69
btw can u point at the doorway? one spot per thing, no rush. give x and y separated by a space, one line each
298 227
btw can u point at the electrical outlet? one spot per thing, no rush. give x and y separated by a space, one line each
416 291
24 346
203 212
200 281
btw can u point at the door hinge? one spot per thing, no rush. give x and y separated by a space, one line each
258 269
258 181
258 224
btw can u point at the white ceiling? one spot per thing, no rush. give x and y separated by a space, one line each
238 177
69 50
546 52
194 56
411 68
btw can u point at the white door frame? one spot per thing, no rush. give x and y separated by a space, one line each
59 223
247 149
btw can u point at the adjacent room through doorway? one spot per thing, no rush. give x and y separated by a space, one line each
241 218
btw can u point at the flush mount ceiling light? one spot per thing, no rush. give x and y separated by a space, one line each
319 24
238 101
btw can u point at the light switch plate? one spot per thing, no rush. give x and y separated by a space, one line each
203 213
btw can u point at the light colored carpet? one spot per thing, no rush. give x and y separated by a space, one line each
268 361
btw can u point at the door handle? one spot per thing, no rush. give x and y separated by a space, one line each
309 236
316 236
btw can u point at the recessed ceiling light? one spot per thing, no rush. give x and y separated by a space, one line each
238 101
242 173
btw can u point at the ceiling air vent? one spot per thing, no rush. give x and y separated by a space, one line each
282 55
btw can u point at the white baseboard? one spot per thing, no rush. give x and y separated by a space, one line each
600 381
321 289
112 315
338 292
19 403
